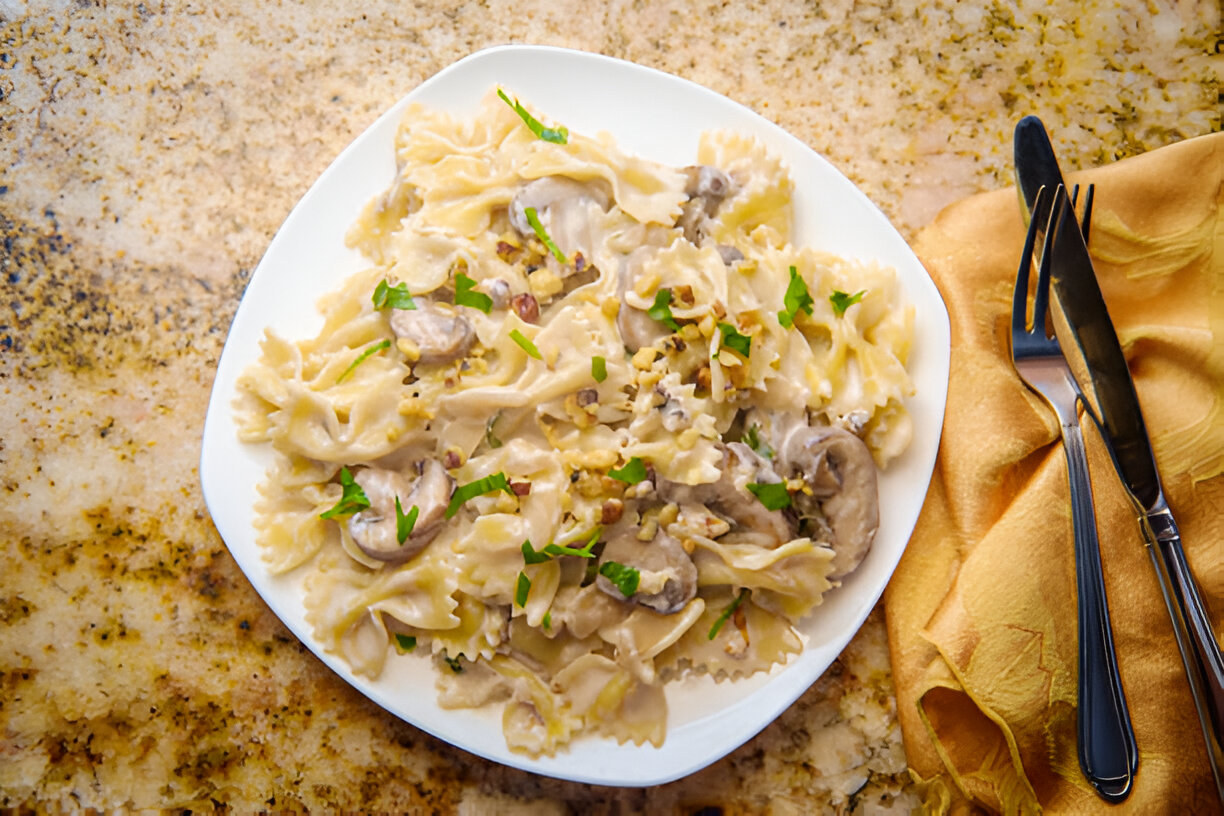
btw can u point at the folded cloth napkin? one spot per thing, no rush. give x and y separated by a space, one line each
981 612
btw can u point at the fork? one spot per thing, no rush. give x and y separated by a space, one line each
1106 742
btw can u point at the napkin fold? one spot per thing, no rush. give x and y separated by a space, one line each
981 611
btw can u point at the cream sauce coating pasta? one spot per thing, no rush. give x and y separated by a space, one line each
656 417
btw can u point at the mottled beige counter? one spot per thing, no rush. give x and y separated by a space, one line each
147 155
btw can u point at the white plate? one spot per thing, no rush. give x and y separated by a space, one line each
660 117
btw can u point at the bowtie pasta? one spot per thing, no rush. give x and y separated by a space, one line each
585 425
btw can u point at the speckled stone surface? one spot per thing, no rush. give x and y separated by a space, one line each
148 153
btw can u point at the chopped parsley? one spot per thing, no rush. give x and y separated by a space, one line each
796 299
454 664
559 135
550 551
661 311
623 578
466 295
404 522
361 358
392 297
733 340
404 643
533 218
841 301
727 613
489 484
352 500
753 440
774 496
633 472
521 589
547 621
525 344
599 368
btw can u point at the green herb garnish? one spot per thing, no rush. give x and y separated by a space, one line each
753 440
392 297
841 301
533 219
774 496
633 472
361 358
489 484
623 578
599 369
404 643
727 613
352 500
661 311
795 300
465 294
525 344
547 622
521 589
404 522
550 551
733 340
454 664
558 135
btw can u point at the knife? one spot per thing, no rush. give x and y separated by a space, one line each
1107 384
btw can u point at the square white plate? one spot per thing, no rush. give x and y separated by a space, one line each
660 117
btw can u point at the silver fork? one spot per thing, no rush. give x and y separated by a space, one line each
1107 753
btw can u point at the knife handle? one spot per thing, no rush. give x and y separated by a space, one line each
1108 755
1195 637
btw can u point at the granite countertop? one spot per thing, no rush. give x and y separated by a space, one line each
149 152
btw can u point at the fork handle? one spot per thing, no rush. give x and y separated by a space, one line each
1108 756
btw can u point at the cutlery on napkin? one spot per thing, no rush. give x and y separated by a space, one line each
981 610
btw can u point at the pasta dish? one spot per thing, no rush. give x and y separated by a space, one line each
586 424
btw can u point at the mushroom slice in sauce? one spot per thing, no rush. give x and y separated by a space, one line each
565 201
661 559
374 529
839 469
730 496
707 187
439 333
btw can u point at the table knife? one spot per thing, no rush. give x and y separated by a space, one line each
1108 386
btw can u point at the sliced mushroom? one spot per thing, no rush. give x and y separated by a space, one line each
565 202
662 560
438 333
374 529
841 473
707 187
729 495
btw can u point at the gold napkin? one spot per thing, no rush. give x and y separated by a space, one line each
981 611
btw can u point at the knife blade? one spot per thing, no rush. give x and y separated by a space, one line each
1108 386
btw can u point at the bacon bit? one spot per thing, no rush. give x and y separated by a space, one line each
611 511
526 307
520 488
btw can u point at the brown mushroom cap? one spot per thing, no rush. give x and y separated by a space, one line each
438 331
662 554
374 529
839 469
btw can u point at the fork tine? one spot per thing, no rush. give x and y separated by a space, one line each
1020 295
1042 295
1086 222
